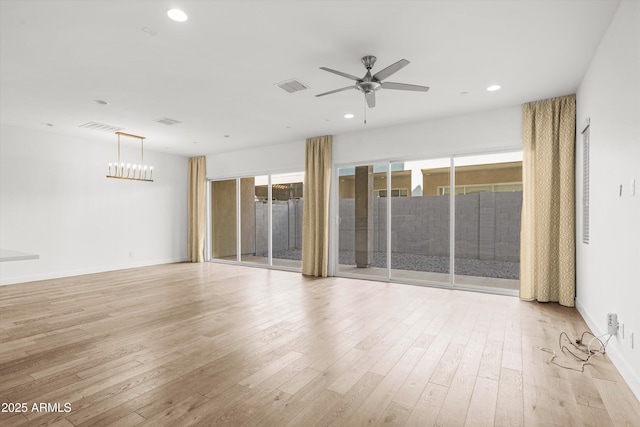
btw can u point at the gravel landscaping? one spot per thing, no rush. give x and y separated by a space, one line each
434 264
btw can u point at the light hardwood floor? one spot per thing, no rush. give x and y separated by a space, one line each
213 344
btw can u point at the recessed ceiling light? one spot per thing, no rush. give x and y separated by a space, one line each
100 101
227 136
177 15
493 88
349 116
46 124
464 93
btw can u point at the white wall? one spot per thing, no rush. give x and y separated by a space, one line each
472 133
286 157
56 201
480 132
608 268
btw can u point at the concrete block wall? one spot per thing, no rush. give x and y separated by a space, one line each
262 230
468 226
487 225
508 208
287 226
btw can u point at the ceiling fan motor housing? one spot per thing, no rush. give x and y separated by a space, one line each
367 87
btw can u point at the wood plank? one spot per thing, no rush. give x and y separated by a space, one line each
212 344
427 408
482 408
510 404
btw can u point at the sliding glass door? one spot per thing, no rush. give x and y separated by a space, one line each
286 208
408 214
420 222
488 202
258 220
254 219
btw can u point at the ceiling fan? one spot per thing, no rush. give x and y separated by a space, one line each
370 84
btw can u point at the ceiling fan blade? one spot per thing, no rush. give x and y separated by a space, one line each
371 98
340 73
386 72
337 90
404 86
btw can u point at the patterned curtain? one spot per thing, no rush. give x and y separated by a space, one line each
196 208
547 247
315 214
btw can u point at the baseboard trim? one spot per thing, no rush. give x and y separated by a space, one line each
83 271
613 351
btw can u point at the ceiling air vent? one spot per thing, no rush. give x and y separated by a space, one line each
167 121
101 127
292 85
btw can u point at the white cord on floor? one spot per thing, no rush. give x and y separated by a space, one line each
588 352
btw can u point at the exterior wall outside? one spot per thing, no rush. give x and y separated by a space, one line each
399 179
434 178
487 225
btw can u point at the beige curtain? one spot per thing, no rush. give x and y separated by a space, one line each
547 247
196 201
315 222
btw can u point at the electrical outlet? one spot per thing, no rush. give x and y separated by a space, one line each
612 323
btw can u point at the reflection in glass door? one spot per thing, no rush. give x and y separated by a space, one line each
420 221
362 233
224 244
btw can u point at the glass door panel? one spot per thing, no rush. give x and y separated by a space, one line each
420 221
487 220
362 231
223 220
254 218
286 212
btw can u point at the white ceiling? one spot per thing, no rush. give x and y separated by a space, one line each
216 72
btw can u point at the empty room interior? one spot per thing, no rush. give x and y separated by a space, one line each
320 213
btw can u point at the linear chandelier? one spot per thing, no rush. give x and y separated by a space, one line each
136 172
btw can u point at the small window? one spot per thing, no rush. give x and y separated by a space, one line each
395 192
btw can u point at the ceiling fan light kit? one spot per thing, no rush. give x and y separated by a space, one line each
369 84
